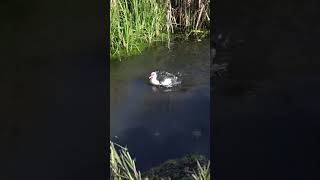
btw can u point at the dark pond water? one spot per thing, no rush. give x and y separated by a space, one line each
157 125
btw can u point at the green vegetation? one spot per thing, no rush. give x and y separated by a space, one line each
203 173
135 24
122 167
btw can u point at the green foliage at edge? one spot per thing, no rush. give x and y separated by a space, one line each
123 167
135 24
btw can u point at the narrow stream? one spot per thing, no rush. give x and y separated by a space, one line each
157 125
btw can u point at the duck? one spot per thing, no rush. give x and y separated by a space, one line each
164 79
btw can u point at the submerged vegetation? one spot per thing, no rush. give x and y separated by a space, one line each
123 167
134 24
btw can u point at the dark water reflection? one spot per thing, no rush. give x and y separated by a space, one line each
157 125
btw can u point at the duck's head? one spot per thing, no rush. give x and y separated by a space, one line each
153 75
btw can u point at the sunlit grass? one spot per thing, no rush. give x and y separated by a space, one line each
203 172
123 167
135 24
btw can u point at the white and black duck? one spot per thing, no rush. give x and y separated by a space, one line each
164 79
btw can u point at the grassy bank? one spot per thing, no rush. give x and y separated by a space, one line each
135 24
123 167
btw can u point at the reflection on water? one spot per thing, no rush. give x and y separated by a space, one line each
155 123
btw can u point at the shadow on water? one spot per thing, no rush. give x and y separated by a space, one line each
158 125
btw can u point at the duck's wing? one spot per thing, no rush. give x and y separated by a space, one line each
167 79
162 75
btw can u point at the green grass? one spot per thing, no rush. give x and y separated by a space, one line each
123 167
202 173
135 24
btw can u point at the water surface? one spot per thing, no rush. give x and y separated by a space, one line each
157 125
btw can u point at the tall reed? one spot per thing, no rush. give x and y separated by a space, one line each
190 16
136 23
122 166
202 173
